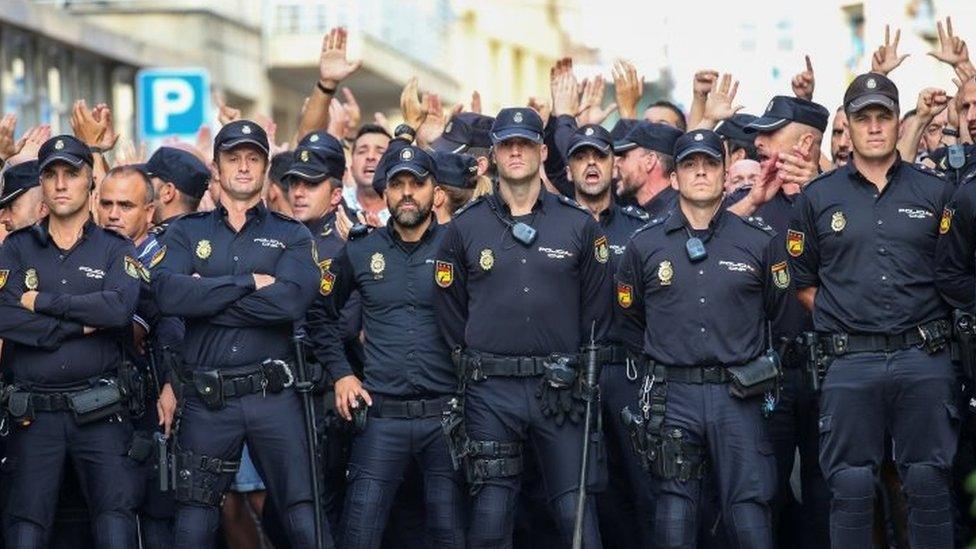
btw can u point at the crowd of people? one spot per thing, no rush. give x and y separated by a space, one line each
690 329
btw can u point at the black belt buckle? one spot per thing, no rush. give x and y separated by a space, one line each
415 409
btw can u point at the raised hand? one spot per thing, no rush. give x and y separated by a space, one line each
703 82
804 83
591 104
886 58
9 146
544 108
413 109
564 88
334 67
30 143
433 125
952 50
931 101
718 105
226 114
629 88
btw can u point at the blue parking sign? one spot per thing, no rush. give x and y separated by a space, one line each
172 102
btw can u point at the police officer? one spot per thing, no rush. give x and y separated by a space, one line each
179 181
314 191
739 145
862 248
717 280
68 292
520 273
467 133
790 124
625 508
409 380
21 203
644 165
240 276
457 176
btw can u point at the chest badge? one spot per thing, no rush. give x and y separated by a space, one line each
838 222
30 279
601 250
487 259
665 272
377 264
326 283
204 249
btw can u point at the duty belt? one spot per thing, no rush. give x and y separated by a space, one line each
687 374
934 333
56 398
392 408
613 354
480 366
245 380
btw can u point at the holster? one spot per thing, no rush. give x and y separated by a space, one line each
359 415
19 408
756 377
132 383
679 459
817 360
96 403
965 343
141 446
208 385
452 423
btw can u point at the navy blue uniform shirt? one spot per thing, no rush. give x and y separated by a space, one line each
498 296
406 356
955 252
707 313
95 283
871 255
228 322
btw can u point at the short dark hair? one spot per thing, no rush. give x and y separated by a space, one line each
666 160
748 146
366 129
682 121
456 197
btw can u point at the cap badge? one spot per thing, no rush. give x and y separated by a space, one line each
872 83
517 118
313 138
58 145
246 129
407 154
447 128
304 156
377 263
699 137
838 222
589 131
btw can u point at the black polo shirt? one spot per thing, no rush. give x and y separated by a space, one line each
498 296
706 313
871 255
406 355
955 252
95 284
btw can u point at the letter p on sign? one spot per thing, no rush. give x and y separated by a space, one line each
172 102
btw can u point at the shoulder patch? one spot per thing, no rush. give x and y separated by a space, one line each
158 256
926 170
468 206
636 213
570 202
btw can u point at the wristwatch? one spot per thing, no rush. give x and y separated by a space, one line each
951 132
405 132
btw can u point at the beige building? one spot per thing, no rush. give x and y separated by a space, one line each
262 55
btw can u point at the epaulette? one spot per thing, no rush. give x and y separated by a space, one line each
652 223
286 217
570 202
116 234
468 206
636 213
921 168
820 177
758 223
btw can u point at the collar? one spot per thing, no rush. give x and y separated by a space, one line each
496 198
43 234
323 225
606 216
892 173
393 237
677 221
258 212
657 204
